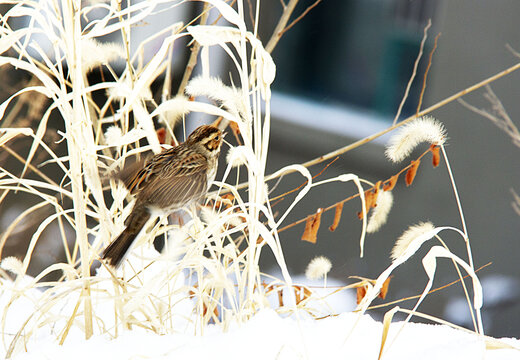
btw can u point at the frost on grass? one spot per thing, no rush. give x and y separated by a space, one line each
318 268
424 129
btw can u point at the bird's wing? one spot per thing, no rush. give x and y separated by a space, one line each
136 175
176 182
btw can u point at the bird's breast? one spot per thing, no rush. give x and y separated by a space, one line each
212 170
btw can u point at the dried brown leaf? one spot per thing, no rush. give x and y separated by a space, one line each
412 171
384 288
161 135
217 121
297 294
436 156
306 293
311 227
361 292
236 131
225 201
301 293
234 127
192 292
337 217
390 183
280 297
370 201
377 186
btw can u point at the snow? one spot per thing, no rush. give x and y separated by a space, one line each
267 335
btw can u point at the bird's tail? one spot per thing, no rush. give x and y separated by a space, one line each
117 250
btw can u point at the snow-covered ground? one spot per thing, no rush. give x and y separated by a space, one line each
266 336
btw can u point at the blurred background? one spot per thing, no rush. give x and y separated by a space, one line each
341 74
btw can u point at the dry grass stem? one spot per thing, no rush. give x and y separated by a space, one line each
499 117
370 138
280 27
414 72
387 186
81 130
425 76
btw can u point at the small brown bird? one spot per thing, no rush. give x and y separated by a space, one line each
168 181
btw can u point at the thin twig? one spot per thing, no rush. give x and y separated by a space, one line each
425 77
370 138
516 202
503 120
279 29
429 292
251 16
390 303
29 165
232 3
333 206
304 183
414 72
192 61
428 110
513 51
295 21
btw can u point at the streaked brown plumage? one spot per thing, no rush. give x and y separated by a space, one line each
167 182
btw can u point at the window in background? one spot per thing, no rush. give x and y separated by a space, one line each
355 53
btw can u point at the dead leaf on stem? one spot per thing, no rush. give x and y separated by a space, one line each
390 183
412 171
311 227
436 156
370 199
337 217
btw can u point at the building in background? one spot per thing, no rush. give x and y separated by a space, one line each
341 73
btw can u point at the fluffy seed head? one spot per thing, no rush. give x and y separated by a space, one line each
208 214
236 156
113 135
123 89
228 97
424 129
176 109
318 268
405 241
385 200
13 265
95 53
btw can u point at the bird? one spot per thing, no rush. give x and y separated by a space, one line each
173 179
